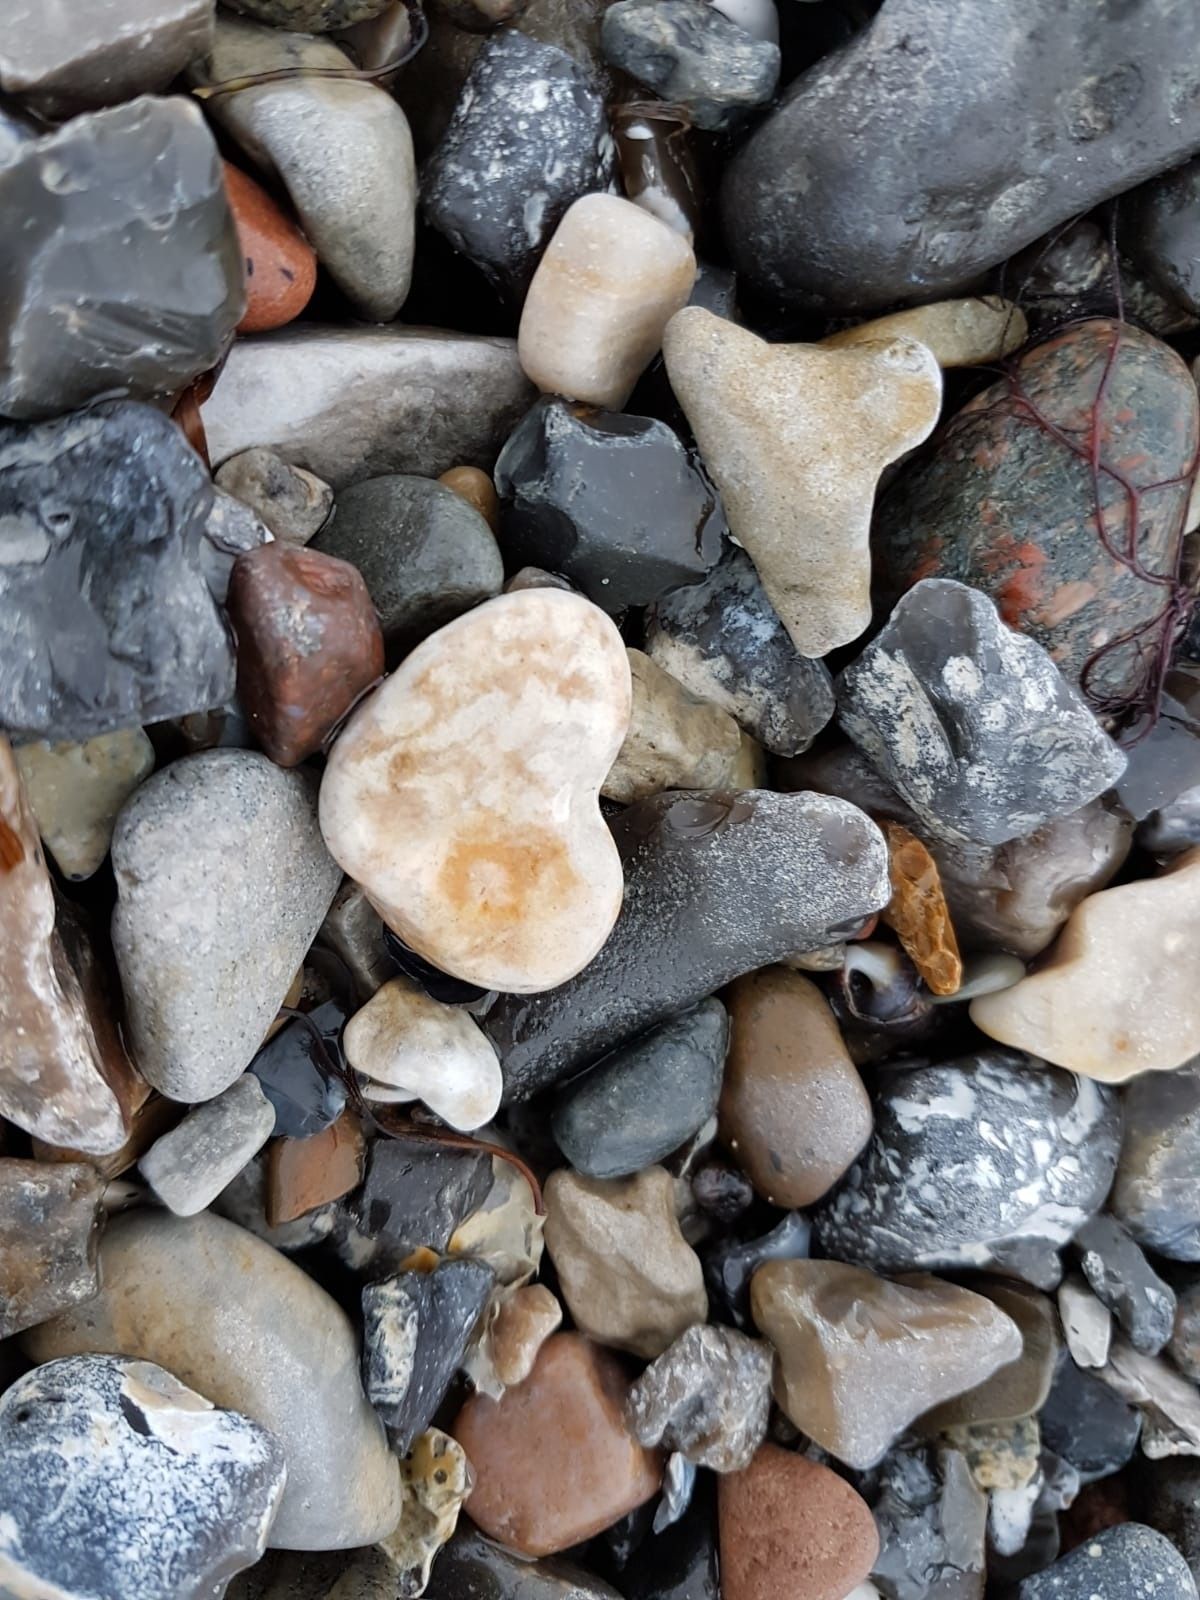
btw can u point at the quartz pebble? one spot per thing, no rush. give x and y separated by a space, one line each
76 790
293 503
961 333
305 1174
707 1396
1019 1388
523 1324
1126 1283
608 283
693 56
1117 1564
50 1218
918 912
1155 1193
764 417
279 262
188 1167
1086 1323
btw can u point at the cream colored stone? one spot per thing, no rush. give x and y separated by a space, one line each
76 790
610 280
795 437
463 795
628 1276
1120 991
437 1479
961 333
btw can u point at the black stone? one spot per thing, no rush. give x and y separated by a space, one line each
658 165
731 1263
723 639
646 1099
438 985
1166 763
471 1567
297 1070
1170 1502
1160 228
613 502
932 1522
1124 1281
416 1192
1087 1423
680 1563
1156 1194
106 620
722 1191
1118 1563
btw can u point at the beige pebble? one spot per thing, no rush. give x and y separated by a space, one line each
475 486
523 1324
961 333
76 791
610 280
437 1478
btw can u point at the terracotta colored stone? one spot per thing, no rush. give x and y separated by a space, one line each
303 1174
790 1529
281 265
554 1461
309 644
918 910
793 1109
475 486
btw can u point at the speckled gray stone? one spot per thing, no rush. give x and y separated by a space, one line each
687 52
311 16
293 503
931 1519
1126 1562
1126 1283
120 1483
1156 1194
50 1220
1160 228
707 1396
206 942
189 1166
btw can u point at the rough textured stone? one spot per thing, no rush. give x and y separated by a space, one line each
1184 1346
1086 1423
293 503
50 1219
1169 1404
280 1351
1086 1323
731 1263
1125 1281
961 333
121 1482
279 263
1000 1455
1019 1388
1117 1564
931 1518
1155 1194
76 790
1159 229
678 741
688 53
311 16
707 1396
795 437
918 912
188 1167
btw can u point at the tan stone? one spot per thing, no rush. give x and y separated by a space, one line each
1000 1455
303 1174
554 1461
795 437
463 796
437 1479
608 283
76 790
475 486
523 1324
860 1358
1119 993
1019 1388
793 1110
961 333
918 911
628 1276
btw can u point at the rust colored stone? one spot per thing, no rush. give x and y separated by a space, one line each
475 486
309 644
791 1527
280 264
918 911
303 1174
554 1461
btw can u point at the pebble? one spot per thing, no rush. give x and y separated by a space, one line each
473 1568
794 1113
688 53
476 487
860 1358
1082 1009
353 931
416 1194
658 168
931 1517
1000 1455
628 1276
410 1047
707 1396
478 765
980 1160
1170 1405
1155 1194
128 276
1086 1423
1086 1323
715 885
1117 1564
1158 228
76 790
130 506
528 136
645 1099
425 553
294 1067
554 1460
50 1220
309 645
340 148
791 1526
613 502
1126 1283
1170 1503
305 1174
294 504
730 1264
1184 1346
972 723
311 16
165 1297
961 333
124 1484
766 418
918 913
1019 1388
523 1324
607 284
188 1167
279 263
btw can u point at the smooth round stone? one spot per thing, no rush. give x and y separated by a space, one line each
280 264
1087 1423
1170 1503
475 486
77 790
247 1329
523 1324
1156 1195
293 503
961 333
1117 1564
463 795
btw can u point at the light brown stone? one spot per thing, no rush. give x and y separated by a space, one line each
303 1174
437 1479
475 486
793 1110
76 790
629 1277
523 1324
961 333
554 1461
918 911
1019 1388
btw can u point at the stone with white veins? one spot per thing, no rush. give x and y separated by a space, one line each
121 1483
1086 1323
188 1167
972 722
76 791
795 437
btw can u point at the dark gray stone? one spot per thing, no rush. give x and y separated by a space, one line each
707 1396
932 1521
1174 828
943 139
416 1192
1126 1283
1156 1194
715 886
1126 1562
1160 228
972 722
1171 1503
120 1483
471 1567
731 1263
991 1158
297 1068
689 53
1184 1346
106 619
1087 1423
426 555
528 136
646 1099
613 502
125 275
50 1220
723 640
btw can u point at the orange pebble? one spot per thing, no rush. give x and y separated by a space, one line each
281 265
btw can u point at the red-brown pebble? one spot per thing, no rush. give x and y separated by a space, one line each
554 1462
303 1174
281 265
309 643
790 1529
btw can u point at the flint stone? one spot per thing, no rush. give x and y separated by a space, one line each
294 1068
1169 1404
416 1193
730 1264
1087 1424
931 1519
1124 1280
707 1396
1160 227
473 1568
1156 1195
50 1218
1118 1563
690 54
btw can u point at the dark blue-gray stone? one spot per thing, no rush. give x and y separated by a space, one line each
729 1264
1124 1281
1156 1194
297 1070
1087 1423
1126 1562
1160 229
931 1519
416 1192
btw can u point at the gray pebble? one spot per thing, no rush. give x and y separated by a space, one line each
1156 1194
693 56
293 503
1126 1562
188 1167
1126 1283
707 1396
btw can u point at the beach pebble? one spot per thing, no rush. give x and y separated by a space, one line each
1155 1194
50 1221
416 1194
311 16
1087 1424
1124 1281
919 915
961 333
293 503
692 55
1086 1323
279 263
730 1264
707 1396
1019 1388
1117 1564
523 1324
931 1517
296 1069
477 488
306 1174
76 790
188 1167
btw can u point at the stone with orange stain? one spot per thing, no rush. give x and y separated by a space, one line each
463 796
918 911
303 1174
280 264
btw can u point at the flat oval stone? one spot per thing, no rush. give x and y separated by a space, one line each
280 264
463 795
188 1166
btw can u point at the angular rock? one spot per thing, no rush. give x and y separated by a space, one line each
1159 229
1169 1404
76 790
293 503
1184 1346
766 418
188 1167
691 55
659 172
121 1481
931 1518
416 1193
231 530
1126 1283
716 885
961 333
1119 1562
730 1264
918 913
1086 1323
990 1158
126 274
1155 1194
50 1219
613 502
721 1191
1086 1423
280 1351
305 1174
707 1396
296 1070
1019 1388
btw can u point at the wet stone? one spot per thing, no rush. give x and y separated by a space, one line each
305 1174
523 1324
50 1218
1124 1280
295 1068
707 1396
280 264
730 1264
76 791
1169 1404
1000 1455
680 1561
1019 1388
1184 1346
1155 1194
691 55
293 503
473 1568
1119 1562
1086 1423
721 1191
1159 229
961 333
918 912
311 16
473 484
1086 1323
188 1167
416 1193
658 168
931 1517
